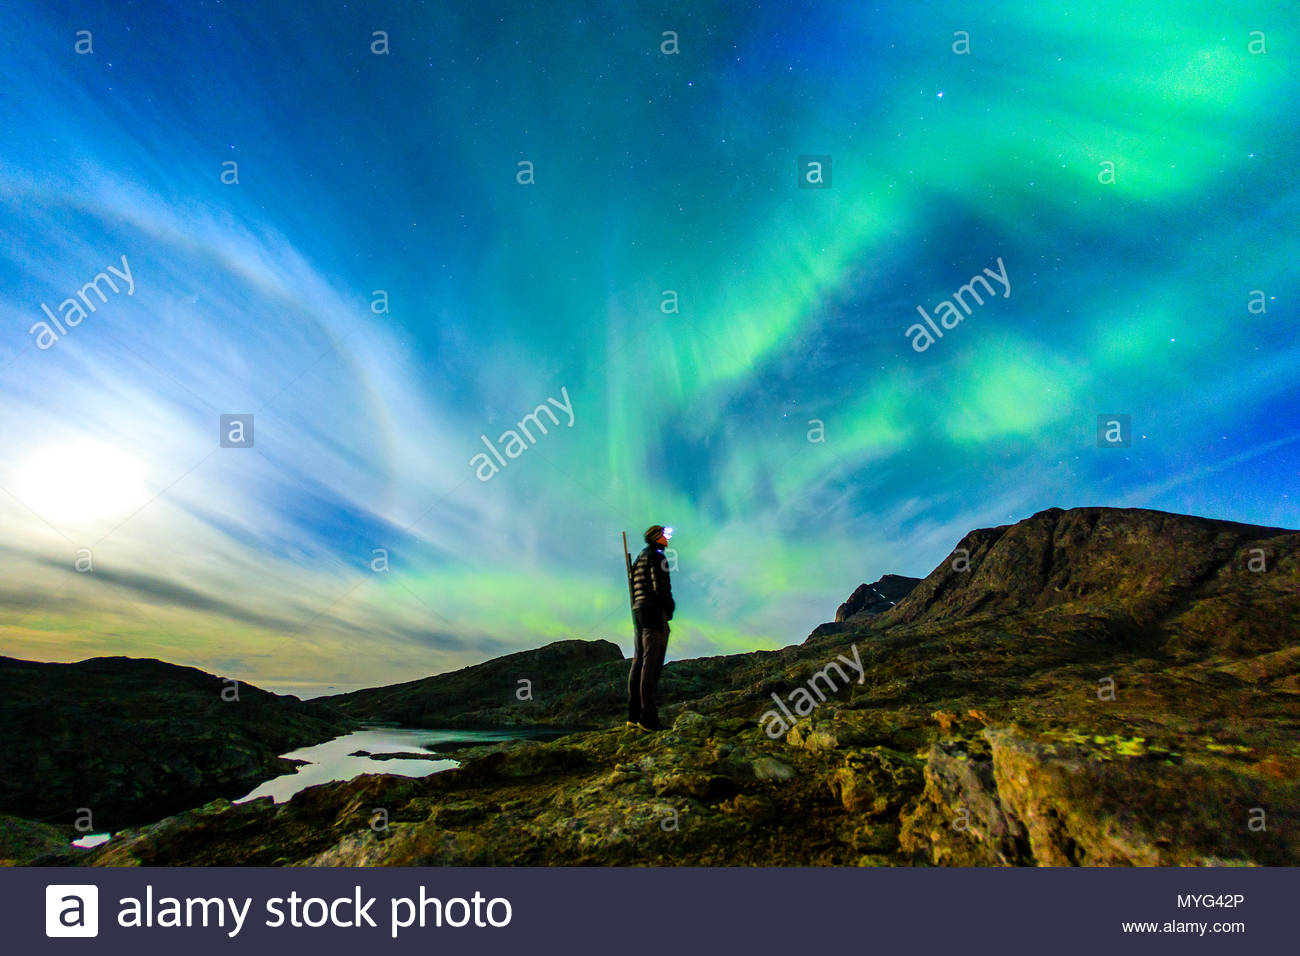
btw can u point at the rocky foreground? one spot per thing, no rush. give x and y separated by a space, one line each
1086 687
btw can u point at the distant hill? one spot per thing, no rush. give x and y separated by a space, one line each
567 683
876 598
866 601
135 740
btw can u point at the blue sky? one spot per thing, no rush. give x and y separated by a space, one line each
653 172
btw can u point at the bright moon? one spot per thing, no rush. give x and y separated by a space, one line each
82 481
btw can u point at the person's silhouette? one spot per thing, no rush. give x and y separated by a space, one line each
652 606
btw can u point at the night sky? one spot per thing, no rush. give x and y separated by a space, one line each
389 259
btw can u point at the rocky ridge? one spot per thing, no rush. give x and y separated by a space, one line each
870 599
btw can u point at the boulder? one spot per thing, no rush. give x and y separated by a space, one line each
769 768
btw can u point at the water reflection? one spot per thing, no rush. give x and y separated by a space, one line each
333 760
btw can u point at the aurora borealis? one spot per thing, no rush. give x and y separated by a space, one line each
343 243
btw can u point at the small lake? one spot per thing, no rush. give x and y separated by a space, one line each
333 761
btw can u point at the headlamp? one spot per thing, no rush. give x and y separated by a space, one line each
668 532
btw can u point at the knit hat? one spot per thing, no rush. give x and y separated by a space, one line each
653 533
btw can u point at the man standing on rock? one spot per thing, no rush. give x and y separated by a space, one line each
652 606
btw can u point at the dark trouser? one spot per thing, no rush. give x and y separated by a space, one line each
647 662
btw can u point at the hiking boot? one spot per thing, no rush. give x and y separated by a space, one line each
651 725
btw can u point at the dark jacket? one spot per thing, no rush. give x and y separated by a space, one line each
651 588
